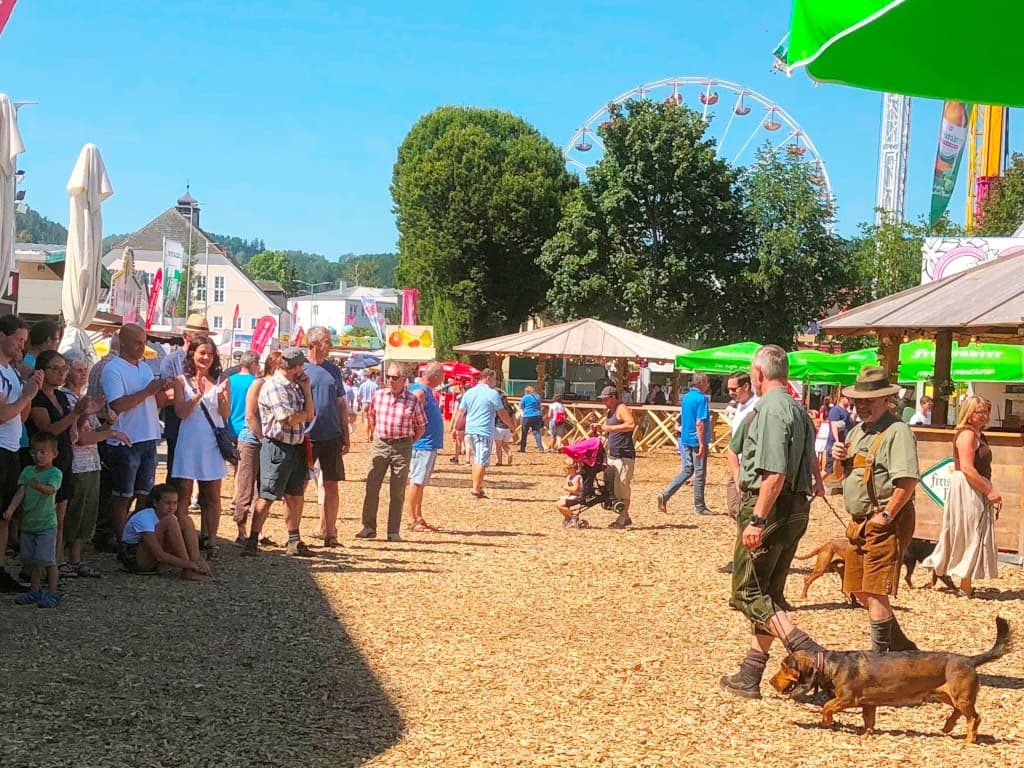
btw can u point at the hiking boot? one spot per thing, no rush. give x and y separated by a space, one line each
622 521
250 548
10 584
394 537
298 548
738 685
662 505
367 533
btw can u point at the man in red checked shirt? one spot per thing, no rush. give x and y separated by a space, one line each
396 421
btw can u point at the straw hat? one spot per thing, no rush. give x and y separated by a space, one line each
196 322
872 381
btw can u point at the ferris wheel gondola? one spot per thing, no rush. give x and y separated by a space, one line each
740 124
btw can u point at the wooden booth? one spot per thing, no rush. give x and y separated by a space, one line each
985 303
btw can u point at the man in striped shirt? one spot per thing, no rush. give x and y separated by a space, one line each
286 406
396 421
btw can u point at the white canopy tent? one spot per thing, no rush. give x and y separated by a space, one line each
10 147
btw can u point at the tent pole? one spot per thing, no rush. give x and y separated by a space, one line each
540 377
943 385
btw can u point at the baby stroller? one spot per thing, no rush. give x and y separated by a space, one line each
597 485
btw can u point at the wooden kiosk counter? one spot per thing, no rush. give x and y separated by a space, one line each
935 446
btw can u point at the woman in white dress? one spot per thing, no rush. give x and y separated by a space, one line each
197 457
967 545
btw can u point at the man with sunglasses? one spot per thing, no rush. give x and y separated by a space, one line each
396 420
740 390
15 402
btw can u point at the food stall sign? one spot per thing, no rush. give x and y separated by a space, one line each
936 480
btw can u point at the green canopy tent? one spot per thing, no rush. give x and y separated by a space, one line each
905 46
719 360
976 362
815 367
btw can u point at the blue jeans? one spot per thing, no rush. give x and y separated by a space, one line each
692 466
534 423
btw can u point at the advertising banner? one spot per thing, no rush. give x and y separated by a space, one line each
6 6
410 306
154 298
975 362
261 335
372 317
410 342
952 140
174 259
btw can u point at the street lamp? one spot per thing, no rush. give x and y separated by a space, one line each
311 287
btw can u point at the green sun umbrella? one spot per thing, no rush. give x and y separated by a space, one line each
913 47
719 360
815 367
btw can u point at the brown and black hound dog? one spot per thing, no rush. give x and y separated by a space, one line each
831 558
871 680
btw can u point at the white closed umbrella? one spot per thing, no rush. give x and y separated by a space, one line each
88 187
10 148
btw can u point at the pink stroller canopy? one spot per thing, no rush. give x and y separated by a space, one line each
586 451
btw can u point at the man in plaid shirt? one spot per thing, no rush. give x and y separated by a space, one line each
396 420
286 406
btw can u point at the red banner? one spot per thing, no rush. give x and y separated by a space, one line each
154 296
300 338
410 305
261 335
234 319
6 6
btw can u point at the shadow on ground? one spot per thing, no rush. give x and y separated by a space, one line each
253 668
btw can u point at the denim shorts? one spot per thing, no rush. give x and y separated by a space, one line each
283 470
421 467
132 467
39 548
481 446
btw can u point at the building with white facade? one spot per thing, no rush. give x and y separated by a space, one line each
344 306
219 282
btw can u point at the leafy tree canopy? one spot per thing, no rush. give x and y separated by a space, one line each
1002 211
273 265
477 192
31 227
646 241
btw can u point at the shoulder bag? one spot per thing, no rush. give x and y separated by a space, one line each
225 445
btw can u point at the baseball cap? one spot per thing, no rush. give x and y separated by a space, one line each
609 392
292 357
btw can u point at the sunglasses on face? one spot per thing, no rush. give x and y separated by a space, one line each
394 376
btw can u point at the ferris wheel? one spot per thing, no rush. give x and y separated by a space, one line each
740 119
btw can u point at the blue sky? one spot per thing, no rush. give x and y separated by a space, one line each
285 116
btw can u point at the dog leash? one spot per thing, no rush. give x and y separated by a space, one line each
771 619
832 509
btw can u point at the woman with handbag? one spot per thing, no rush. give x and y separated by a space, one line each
203 406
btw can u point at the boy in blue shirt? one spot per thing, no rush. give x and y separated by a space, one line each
694 438
37 488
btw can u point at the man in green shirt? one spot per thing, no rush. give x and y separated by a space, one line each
778 475
879 460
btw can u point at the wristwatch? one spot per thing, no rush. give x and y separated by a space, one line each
756 521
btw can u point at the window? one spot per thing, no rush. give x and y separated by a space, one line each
218 289
238 323
200 288
218 322
254 323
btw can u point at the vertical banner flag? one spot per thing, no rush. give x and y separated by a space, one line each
234 325
261 335
952 140
300 337
174 259
154 298
6 6
370 310
410 302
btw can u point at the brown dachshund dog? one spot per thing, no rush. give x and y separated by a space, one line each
871 680
831 559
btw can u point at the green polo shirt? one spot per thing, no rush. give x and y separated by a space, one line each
39 510
777 437
896 458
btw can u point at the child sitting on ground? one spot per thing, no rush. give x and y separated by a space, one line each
156 537
573 488
36 494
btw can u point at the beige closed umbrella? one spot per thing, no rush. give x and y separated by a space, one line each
10 148
88 187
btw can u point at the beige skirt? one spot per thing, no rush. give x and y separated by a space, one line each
967 542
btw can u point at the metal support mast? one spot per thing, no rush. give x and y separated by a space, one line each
890 200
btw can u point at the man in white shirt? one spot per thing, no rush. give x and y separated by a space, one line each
742 392
923 415
15 403
135 396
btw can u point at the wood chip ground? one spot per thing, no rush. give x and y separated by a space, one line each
502 640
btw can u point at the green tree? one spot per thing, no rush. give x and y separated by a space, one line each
644 240
793 269
31 227
273 265
1002 211
477 192
888 257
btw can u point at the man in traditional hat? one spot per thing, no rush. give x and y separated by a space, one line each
778 475
172 366
879 462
